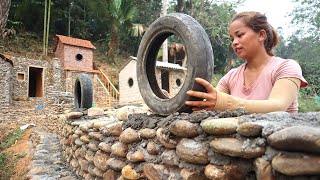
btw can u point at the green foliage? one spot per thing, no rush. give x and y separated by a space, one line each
11 138
215 79
308 104
6 167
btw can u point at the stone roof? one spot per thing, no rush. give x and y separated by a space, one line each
6 58
74 42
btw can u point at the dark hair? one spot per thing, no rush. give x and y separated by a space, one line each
257 22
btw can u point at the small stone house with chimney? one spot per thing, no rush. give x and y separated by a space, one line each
30 82
170 77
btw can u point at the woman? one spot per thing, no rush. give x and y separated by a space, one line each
264 83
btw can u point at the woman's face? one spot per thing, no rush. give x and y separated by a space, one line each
245 42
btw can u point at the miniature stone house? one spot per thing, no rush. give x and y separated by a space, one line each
6 71
170 77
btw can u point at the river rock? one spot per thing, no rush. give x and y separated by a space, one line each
84 164
74 163
227 172
85 139
113 129
119 149
236 148
79 142
84 127
183 128
100 161
296 138
96 136
89 156
123 112
105 147
74 115
263 169
248 129
115 164
135 156
147 133
128 136
129 173
79 132
101 122
220 126
192 151
93 145
110 175
163 138
97 172
170 158
296 164
80 152
95 111
155 172
191 175
152 148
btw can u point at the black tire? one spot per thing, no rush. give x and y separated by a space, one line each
83 91
199 64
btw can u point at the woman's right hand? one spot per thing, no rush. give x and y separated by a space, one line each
209 97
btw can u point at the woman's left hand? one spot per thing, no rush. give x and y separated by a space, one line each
209 98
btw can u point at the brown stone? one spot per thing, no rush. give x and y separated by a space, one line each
155 172
97 172
263 169
119 149
74 115
192 151
152 148
80 152
84 164
94 111
89 156
224 172
147 133
96 136
113 129
100 161
129 173
163 138
234 147
84 127
135 156
191 175
110 175
90 170
105 147
296 164
84 139
248 129
128 136
92 146
296 138
183 128
79 132
74 163
170 158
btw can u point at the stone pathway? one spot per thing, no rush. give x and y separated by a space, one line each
47 162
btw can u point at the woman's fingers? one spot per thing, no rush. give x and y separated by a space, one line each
205 84
198 94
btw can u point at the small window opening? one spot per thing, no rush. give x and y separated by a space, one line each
79 57
130 82
178 82
20 76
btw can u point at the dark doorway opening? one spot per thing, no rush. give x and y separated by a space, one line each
35 82
165 80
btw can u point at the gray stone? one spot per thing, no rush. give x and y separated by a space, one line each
96 136
97 172
170 158
220 126
183 128
236 148
84 164
115 164
152 148
192 151
162 137
296 138
296 164
79 142
105 147
113 129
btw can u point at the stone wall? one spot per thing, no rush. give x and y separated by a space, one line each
6 72
120 144
52 78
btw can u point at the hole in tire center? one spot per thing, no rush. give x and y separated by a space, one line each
171 67
79 94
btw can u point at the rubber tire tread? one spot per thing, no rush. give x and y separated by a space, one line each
83 91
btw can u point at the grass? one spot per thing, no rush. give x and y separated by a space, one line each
7 161
308 104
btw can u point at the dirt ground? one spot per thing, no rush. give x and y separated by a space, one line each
22 151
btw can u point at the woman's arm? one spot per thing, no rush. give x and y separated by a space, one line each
281 97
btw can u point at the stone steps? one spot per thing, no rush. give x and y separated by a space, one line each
47 162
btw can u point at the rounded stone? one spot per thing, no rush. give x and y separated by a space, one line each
105 147
113 129
249 129
136 156
183 128
100 161
129 173
193 151
147 133
152 148
96 135
84 139
119 149
165 140
220 126
115 164
128 136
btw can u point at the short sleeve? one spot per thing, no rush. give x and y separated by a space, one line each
224 83
290 69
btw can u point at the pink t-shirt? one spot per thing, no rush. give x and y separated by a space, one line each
277 68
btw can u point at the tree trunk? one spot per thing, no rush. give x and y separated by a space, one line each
112 46
4 13
180 4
